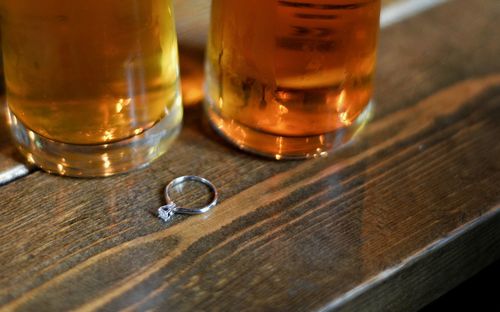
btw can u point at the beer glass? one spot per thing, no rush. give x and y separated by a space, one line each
92 86
291 78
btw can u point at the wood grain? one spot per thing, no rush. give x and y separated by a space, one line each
192 19
388 223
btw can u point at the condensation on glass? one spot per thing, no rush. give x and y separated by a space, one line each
92 86
291 78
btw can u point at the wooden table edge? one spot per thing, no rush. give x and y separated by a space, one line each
462 245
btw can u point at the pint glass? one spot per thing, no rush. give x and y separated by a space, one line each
92 86
290 78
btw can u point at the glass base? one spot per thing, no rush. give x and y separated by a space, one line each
96 160
286 147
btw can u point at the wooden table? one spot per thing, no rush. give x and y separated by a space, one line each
391 222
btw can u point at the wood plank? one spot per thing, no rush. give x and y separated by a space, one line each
446 260
339 216
288 234
192 19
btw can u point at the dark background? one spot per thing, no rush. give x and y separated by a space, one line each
480 293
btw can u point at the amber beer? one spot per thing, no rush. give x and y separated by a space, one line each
290 78
92 85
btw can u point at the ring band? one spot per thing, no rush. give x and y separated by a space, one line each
191 211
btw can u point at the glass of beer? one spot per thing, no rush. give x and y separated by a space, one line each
92 86
291 78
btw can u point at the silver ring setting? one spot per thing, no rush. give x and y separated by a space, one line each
167 212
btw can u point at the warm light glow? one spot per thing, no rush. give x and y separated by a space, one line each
30 158
279 141
341 101
283 110
60 168
344 118
341 108
121 104
105 159
241 131
9 118
108 136
322 139
119 107
31 134
138 131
